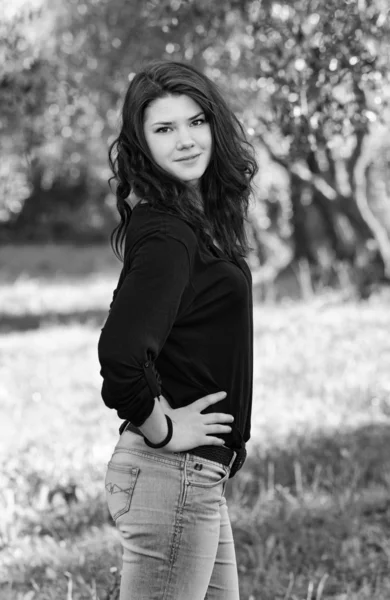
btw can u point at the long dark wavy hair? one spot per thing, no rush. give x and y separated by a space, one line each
226 184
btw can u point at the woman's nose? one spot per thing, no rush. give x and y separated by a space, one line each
184 139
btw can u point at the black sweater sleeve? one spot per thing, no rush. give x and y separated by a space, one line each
141 317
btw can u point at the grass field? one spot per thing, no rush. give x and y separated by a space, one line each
310 509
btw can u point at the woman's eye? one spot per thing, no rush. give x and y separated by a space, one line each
162 129
199 121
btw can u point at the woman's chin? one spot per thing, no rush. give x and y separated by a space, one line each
191 177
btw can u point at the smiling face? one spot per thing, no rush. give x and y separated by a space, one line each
178 136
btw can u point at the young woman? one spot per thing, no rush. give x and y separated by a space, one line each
176 349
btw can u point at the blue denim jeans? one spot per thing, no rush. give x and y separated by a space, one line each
171 512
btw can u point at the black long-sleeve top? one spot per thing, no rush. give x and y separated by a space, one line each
180 325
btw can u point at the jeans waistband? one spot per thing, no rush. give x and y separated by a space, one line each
221 454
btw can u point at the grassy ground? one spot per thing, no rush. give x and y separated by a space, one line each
310 509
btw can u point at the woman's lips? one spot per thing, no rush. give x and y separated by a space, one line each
190 159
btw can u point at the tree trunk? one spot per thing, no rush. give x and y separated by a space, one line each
302 245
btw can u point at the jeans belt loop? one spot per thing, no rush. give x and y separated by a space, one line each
233 459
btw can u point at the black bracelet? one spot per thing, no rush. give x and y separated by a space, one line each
167 439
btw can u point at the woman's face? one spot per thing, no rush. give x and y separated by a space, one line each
178 136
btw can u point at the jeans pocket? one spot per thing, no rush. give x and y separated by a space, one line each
207 474
119 484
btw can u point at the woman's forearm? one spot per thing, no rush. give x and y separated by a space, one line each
155 428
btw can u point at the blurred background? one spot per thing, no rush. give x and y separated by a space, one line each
310 81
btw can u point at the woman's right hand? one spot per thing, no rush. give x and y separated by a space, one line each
192 429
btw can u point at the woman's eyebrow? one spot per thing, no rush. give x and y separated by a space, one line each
171 122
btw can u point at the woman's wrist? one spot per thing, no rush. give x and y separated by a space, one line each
155 428
167 438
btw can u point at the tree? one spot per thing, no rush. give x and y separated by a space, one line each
315 80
